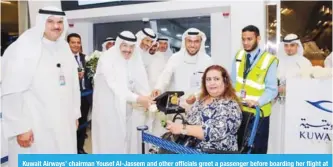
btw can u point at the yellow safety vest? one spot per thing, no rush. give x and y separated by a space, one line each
255 81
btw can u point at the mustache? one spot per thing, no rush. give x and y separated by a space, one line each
56 29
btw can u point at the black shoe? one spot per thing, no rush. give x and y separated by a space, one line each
81 151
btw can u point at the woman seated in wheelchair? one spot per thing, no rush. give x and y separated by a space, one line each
215 117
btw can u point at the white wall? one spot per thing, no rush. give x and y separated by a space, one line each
243 14
220 39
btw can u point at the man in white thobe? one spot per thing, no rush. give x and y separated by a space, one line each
121 98
152 63
155 63
108 43
184 69
146 39
291 59
40 90
291 64
164 47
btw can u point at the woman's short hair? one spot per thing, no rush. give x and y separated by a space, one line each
229 91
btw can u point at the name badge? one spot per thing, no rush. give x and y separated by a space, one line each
196 80
243 93
62 80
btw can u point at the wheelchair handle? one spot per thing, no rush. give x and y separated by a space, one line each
258 109
255 125
246 105
179 117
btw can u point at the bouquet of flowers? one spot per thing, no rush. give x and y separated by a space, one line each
91 64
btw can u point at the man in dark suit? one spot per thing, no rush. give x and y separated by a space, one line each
74 41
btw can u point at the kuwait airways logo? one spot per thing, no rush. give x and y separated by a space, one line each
321 131
318 104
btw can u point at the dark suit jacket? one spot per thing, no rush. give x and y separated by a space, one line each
87 82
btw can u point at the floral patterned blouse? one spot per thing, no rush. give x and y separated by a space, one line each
220 121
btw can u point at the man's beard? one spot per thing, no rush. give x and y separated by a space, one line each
190 53
255 45
291 54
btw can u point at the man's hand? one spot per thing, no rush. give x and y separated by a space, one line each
81 75
77 124
191 99
26 139
251 103
145 101
282 89
155 93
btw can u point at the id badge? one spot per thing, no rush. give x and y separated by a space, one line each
62 80
196 80
243 93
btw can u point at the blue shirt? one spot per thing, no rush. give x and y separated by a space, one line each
271 88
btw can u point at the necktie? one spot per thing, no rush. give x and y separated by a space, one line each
248 64
77 60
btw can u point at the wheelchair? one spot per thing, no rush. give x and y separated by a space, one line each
245 135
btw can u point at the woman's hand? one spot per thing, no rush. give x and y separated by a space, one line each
174 128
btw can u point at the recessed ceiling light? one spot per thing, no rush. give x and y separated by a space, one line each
179 35
6 2
164 29
206 46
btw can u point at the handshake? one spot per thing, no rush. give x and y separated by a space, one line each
147 101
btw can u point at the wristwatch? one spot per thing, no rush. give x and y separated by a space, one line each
184 131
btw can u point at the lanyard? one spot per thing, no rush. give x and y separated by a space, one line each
247 71
77 58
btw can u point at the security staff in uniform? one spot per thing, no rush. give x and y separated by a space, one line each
254 76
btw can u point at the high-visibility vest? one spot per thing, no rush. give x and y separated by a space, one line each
254 85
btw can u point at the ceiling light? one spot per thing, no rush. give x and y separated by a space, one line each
164 29
6 2
284 10
206 46
322 9
327 11
179 35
